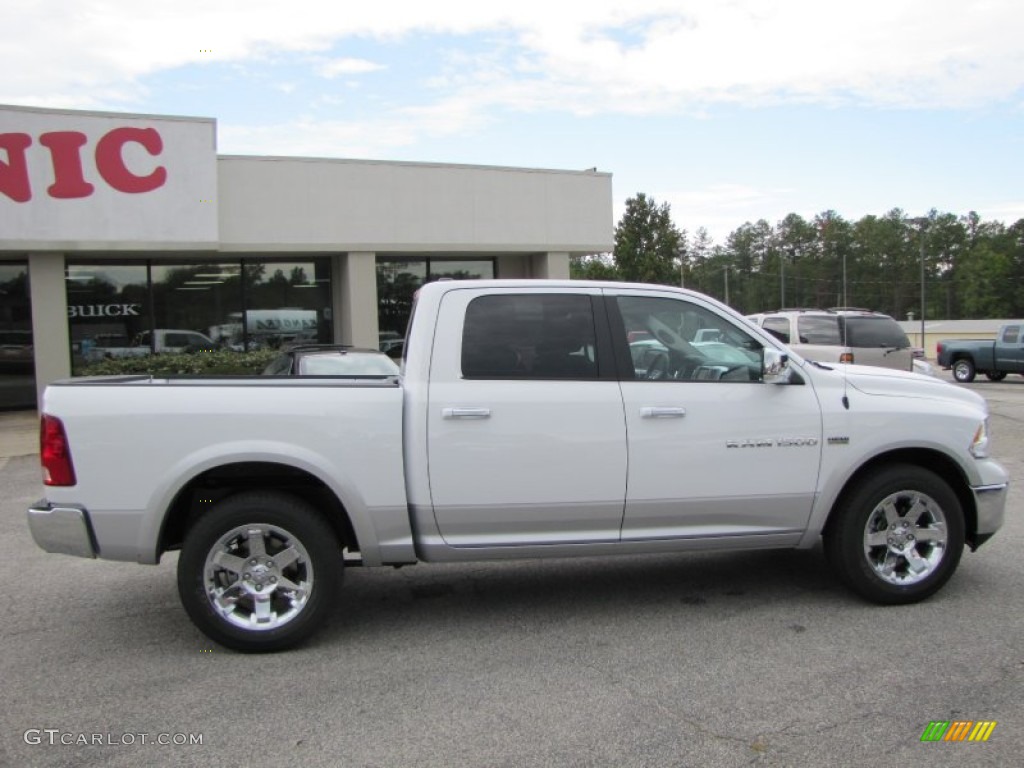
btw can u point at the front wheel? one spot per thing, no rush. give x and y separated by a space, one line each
898 537
963 370
259 571
996 375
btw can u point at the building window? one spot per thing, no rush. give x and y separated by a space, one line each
287 301
200 299
123 309
398 280
17 360
109 308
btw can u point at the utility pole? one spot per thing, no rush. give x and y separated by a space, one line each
845 304
922 289
924 224
782 278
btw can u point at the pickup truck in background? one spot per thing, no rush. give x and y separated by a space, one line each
162 341
531 419
995 359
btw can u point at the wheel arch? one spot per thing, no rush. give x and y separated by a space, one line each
218 483
931 460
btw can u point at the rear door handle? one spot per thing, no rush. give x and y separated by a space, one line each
662 412
466 413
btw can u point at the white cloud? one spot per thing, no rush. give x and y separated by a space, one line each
722 207
309 137
1009 212
649 55
335 67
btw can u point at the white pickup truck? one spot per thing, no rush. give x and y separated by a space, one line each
531 419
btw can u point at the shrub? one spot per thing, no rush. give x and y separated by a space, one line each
219 363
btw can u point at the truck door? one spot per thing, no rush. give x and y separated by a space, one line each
713 450
526 434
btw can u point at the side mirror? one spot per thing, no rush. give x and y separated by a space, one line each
775 366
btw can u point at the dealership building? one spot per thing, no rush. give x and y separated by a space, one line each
129 233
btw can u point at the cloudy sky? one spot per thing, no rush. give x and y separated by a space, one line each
729 110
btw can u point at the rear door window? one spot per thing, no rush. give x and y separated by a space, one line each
530 336
816 329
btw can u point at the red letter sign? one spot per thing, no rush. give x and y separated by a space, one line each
14 173
68 181
110 163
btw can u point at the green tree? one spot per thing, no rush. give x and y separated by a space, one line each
795 241
749 249
598 266
648 245
697 257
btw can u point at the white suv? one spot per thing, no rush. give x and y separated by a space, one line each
840 335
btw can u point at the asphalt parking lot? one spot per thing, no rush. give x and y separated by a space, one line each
718 659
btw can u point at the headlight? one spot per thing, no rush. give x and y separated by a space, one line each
979 445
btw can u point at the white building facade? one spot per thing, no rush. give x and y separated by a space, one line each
118 227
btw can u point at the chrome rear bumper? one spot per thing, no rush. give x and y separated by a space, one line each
62 530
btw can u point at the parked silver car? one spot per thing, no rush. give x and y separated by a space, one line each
331 360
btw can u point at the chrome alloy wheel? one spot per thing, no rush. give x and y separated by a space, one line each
258 577
905 538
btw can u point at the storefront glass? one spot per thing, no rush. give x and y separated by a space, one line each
200 304
109 309
287 301
17 364
226 304
461 270
398 280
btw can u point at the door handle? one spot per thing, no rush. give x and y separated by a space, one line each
662 412
466 413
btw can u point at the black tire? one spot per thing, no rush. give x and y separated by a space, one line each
906 562
996 375
963 370
252 586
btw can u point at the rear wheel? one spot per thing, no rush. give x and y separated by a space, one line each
259 571
963 370
898 537
996 375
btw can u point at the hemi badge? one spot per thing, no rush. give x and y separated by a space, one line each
839 441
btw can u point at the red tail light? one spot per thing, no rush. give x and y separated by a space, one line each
54 452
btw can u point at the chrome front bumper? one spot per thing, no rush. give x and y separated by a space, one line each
62 530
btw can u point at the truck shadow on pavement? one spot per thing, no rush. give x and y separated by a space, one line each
584 588
423 604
